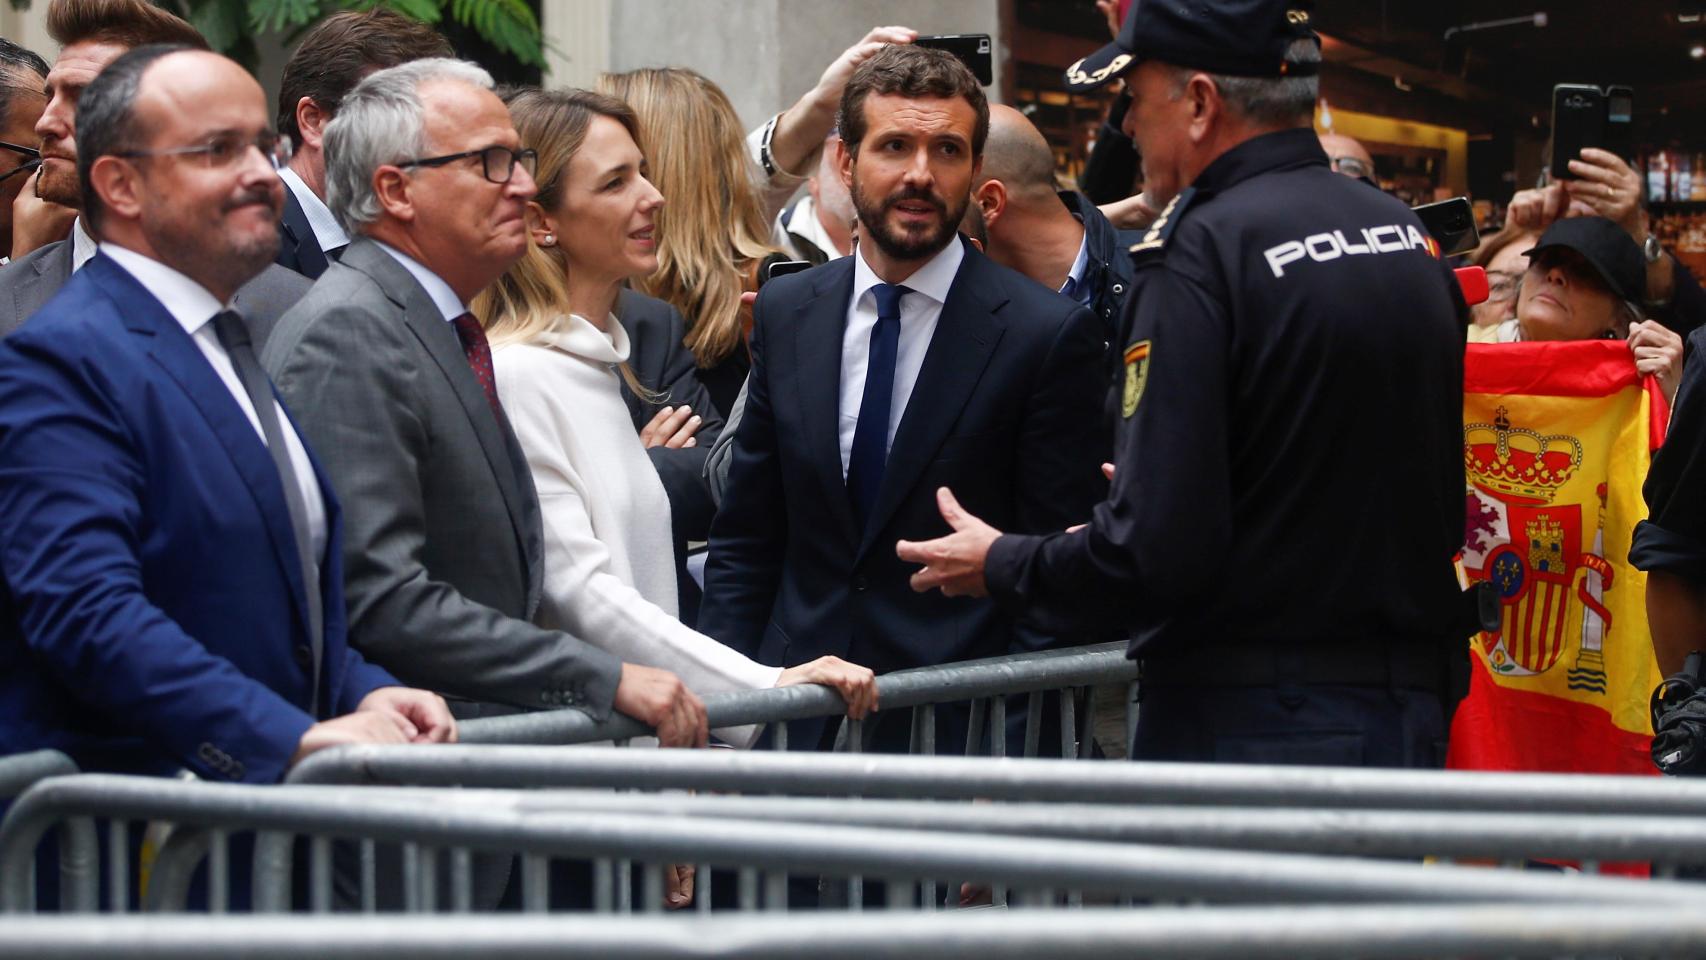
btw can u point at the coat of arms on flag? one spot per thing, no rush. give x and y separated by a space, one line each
1557 438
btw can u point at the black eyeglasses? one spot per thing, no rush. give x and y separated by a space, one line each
30 152
497 163
1351 167
32 160
226 149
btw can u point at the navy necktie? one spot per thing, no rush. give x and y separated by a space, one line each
871 435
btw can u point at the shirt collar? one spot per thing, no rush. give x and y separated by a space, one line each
443 297
83 246
327 233
1270 151
933 280
1080 266
189 303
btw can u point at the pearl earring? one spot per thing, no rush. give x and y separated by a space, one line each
550 240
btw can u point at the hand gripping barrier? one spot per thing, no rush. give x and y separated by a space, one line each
1099 670
431 821
1391 931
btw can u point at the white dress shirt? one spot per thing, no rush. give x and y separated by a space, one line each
327 233
609 550
444 298
194 307
83 246
919 311
1080 265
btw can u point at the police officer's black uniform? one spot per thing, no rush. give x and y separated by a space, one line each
1290 495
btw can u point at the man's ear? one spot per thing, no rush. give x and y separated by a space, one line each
991 198
1203 99
541 225
311 122
118 183
844 162
392 187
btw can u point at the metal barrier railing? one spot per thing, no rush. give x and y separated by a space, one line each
433 823
1082 676
904 777
78 867
1397 932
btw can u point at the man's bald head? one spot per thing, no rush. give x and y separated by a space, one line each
1340 147
1017 155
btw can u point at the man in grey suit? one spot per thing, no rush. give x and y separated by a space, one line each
392 380
92 34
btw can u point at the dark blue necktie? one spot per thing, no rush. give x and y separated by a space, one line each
871 435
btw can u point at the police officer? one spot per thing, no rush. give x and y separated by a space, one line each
1289 495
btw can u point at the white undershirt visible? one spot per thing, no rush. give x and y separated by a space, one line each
1080 265
327 233
194 307
919 311
609 549
443 297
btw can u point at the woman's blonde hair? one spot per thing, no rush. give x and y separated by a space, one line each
532 295
713 231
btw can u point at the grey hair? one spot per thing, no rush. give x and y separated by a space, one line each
1267 101
382 122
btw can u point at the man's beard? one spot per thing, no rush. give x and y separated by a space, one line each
59 187
235 261
902 245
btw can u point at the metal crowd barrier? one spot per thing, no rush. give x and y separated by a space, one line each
1398 932
435 826
1085 677
20 771
77 857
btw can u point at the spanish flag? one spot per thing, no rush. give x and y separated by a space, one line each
1557 438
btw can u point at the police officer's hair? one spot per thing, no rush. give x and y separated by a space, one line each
1268 101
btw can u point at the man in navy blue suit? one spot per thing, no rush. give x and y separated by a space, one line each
916 363
169 546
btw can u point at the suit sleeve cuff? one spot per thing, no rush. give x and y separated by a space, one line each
1005 564
604 675
1655 548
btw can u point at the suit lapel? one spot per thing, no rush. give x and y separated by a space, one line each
965 338
50 272
818 327
299 234
439 339
176 353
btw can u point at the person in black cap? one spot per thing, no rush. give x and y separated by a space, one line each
1586 280
1279 535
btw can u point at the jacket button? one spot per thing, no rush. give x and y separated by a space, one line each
1119 288
304 655
861 584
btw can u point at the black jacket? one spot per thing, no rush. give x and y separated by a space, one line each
298 248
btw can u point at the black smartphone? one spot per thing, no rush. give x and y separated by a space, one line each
1620 121
779 268
1452 225
973 49
1578 121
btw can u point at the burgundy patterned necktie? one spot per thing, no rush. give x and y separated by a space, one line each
479 354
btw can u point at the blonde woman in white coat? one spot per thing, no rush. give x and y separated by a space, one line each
558 352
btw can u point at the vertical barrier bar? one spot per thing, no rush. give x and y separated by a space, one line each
1033 723
429 880
1132 692
320 874
603 887
998 726
702 888
369 877
776 891
779 736
79 866
927 720
856 894
535 883
856 736
624 886
747 886
411 871
1069 722
461 880
1087 745
651 888
118 855
974 728
218 871
902 893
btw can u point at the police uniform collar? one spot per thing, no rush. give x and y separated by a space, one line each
1270 151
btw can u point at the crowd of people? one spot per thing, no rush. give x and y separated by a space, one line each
400 403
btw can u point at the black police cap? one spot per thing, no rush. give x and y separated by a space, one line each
1243 38
1607 247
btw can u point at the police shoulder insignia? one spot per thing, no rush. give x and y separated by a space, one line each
1136 375
1155 238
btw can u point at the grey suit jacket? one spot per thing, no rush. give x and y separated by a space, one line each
442 535
31 280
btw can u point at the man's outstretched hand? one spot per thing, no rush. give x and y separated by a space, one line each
953 563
